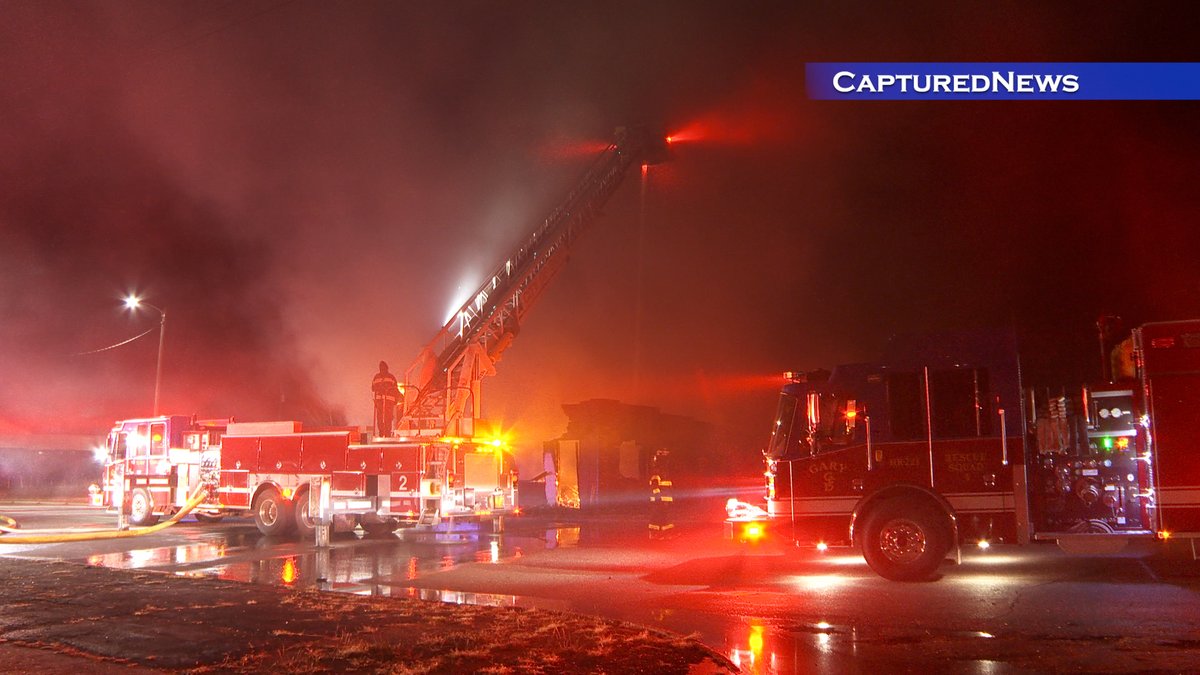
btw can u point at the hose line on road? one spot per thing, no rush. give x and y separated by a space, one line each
59 536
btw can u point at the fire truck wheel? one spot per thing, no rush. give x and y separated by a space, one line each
141 508
272 513
904 542
305 525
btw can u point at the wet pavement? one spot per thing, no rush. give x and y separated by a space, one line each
89 619
1009 609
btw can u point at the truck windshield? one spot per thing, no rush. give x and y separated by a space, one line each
781 429
824 421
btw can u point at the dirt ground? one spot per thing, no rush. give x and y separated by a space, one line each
58 617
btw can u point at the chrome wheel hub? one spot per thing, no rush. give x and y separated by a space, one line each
268 513
902 541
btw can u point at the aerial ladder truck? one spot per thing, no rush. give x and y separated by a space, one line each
438 470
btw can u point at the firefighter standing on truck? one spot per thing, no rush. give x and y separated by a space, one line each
385 390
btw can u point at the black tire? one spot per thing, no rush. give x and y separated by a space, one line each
141 508
305 525
208 517
273 513
905 542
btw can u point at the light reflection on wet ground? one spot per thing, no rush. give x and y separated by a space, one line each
770 614
758 648
351 565
389 567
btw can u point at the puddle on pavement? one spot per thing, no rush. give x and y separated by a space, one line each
562 537
157 557
351 565
385 568
192 553
758 648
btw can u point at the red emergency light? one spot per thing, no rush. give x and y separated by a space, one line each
689 134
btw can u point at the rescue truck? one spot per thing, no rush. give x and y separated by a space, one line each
939 445
439 469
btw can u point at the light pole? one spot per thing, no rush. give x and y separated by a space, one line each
132 302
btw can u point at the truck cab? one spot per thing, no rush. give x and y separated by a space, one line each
905 457
152 462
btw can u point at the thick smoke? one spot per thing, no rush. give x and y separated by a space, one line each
89 213
305 187
96 217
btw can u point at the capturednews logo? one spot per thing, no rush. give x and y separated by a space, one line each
1003 81
847 81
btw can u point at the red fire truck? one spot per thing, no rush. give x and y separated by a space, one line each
441 467
266 469
939 445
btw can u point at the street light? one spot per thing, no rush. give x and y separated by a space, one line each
132 303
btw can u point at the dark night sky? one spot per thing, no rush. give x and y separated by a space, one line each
308 187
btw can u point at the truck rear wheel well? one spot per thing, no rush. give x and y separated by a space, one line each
910 496
263 487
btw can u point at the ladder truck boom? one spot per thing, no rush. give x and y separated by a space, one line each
442 384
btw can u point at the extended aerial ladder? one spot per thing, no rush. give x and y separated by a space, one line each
442 386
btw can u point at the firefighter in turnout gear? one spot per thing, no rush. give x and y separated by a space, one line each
386 392
661 519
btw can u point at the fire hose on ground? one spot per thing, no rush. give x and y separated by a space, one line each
8 532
